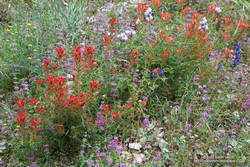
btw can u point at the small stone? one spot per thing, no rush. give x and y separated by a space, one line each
136 146
139 158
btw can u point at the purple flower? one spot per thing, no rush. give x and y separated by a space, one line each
113 84
248 103
31 158
144 98
209 109
100 121
113 143
114 95
1 163
103 154
2 148
90 163
222 133
206 99
121 165
204 116
160 72
110 160
81 153
233 135
146 122
236 75
33 165
243 83
46 146
188 126
189 134
114 90
119 148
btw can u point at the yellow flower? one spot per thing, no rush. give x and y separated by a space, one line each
29 24
29 45
29 58
125 153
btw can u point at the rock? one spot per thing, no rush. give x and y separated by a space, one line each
139 157
136 146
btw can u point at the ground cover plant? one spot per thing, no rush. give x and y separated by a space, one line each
124 83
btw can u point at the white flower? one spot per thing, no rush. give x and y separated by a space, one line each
148 12
130 32
149 18
203 24
122 37
203 20
218 10
70 76
138 21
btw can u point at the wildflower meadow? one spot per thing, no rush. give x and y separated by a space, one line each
125 83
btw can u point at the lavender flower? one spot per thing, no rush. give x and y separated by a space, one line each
90 163
222 133
110 160
237 54
122 37
81 153
113 84
233 135
203 24
144 98
33 165
100 121
146 122
243 83
1 163
121 165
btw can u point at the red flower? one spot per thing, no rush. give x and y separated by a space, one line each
94 62
78 48
106 40
112 21
21 117
227 19
39 81
166 16
33 101
51 79
83 95
20 103
46 64
179 50
34 122
135 53
185 10
106 107
180 1
89 49
60 80
157 3
94 85
115 115
40 109
141 7
60 51
165 53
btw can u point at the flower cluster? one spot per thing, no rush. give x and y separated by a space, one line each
29 123
203 24
237 54
155 72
